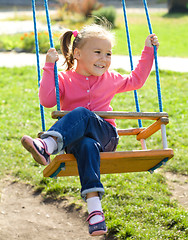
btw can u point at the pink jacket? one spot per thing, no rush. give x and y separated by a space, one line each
93 93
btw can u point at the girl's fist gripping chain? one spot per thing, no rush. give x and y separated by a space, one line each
52 55
152 40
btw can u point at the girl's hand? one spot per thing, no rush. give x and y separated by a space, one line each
152 40
52 56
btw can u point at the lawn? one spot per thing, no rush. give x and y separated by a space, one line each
136 205
170 28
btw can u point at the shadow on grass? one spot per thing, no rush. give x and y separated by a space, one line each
175 15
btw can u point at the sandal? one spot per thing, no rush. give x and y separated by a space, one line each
98 228
40 154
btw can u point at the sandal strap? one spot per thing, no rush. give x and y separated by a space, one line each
44 144
94 213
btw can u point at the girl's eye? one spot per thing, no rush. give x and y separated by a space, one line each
109 54
98 52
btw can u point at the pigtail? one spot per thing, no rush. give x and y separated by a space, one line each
65 44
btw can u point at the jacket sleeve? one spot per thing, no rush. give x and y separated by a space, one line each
47 92
139 75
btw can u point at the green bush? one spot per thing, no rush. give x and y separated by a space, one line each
7 43
108 13
28 41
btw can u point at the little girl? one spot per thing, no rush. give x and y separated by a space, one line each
87 85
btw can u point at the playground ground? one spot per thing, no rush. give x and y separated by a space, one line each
27 216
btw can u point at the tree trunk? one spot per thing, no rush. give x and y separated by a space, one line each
177 6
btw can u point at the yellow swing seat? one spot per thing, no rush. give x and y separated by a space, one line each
118 162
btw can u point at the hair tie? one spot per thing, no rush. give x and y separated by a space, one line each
75 33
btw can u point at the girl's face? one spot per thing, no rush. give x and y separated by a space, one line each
94 58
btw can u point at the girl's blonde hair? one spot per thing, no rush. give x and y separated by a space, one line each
91 31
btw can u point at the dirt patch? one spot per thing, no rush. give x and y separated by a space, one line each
178 185
25 216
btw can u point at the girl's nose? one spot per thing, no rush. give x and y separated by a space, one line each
104 57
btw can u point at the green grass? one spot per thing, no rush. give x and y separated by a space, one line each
136 205
170 28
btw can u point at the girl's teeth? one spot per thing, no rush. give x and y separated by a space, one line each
99 66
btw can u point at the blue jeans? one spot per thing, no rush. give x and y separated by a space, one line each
85 134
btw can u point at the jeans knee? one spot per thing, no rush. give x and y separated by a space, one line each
82 110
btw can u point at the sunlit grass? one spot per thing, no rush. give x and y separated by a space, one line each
136 205
171 30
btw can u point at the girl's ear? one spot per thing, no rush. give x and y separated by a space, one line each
76 53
